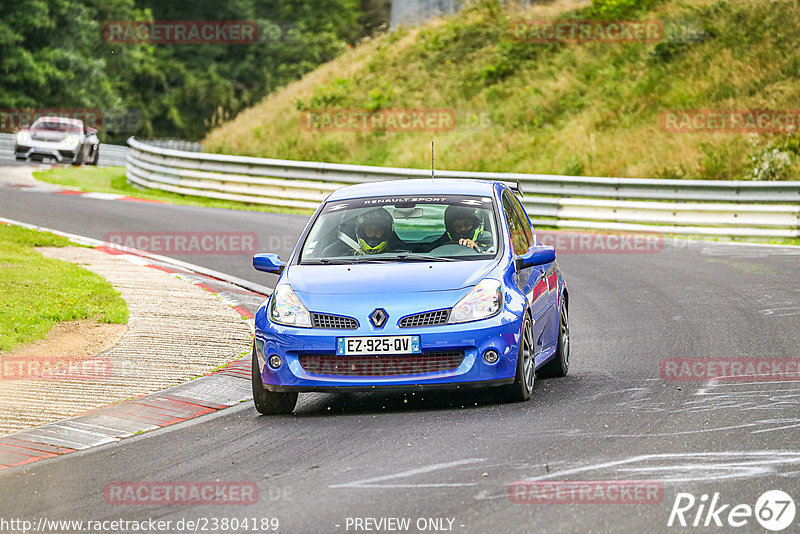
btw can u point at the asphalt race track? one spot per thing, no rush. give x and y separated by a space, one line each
98 218
453 455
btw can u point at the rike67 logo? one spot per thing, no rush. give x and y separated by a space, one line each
774 510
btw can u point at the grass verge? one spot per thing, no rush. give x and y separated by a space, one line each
38 292
113 180
585 108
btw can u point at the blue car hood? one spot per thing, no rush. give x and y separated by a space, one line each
387 277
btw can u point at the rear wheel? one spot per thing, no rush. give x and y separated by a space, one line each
268 402
559 365
522 388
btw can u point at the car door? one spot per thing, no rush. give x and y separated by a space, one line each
550 318
532 281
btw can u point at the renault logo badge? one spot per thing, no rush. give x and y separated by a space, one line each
378 317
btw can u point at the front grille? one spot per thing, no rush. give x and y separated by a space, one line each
333 322
381 365
432 318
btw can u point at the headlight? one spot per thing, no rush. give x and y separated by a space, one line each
485 300
72 140
287 309
23 137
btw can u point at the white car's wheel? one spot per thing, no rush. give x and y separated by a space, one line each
95 155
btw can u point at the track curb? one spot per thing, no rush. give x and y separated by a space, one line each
216 391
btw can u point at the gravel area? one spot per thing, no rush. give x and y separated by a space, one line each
176 331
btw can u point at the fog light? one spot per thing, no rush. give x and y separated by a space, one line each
275 361
491 356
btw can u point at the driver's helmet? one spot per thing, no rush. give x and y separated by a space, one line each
373 230
462 222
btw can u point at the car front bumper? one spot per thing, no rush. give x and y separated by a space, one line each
42 151
295 345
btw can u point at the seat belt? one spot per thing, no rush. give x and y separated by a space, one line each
349 241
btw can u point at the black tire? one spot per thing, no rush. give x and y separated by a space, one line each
522 388
267 402
96 157
559 366
78 160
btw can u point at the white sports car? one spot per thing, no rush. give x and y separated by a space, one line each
60 139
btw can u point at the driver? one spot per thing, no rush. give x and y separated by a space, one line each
374 231
462 226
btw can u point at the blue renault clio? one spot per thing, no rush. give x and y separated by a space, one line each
412 284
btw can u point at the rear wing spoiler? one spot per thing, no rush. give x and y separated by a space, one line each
514 186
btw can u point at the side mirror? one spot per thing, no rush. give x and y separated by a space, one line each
268 263
540 255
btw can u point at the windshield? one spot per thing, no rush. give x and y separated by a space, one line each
48 126
403 228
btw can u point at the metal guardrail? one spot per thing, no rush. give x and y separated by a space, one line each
177 144
110 155
697 207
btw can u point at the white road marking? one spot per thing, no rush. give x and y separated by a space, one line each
795 421
692 467
103 196
682 468
372 482
705 430
136 260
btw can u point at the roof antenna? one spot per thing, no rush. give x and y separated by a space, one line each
432 175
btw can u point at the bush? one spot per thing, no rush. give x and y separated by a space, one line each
770 163
616 9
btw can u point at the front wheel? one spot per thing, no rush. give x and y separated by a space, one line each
559 365
81 155
96 157
522 388
268 402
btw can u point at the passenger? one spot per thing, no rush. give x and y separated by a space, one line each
463 227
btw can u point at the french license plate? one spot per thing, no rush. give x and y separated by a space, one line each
353 346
